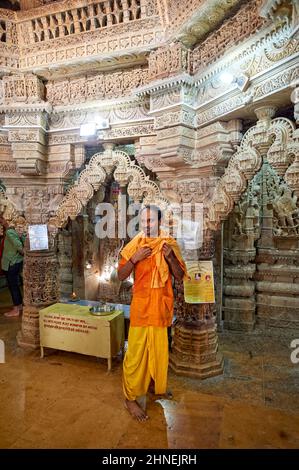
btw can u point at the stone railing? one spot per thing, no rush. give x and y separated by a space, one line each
9 58
73 30
79 17
8 33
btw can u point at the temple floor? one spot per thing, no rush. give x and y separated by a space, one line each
67 400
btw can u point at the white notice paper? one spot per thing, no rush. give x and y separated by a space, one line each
38 237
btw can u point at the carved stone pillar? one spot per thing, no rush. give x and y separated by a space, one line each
215 144
28 141
84 266
65 256
41 269
263 142
41 288
26 121
147 155
189 164
195 342
241 231
33 180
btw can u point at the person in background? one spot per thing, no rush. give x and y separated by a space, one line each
12 265
155 258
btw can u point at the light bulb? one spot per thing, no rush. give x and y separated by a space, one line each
226 77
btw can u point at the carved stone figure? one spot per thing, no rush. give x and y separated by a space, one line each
286 212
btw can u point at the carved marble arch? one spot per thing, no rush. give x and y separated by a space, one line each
125 172
274 141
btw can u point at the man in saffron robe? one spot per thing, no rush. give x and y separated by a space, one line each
154 257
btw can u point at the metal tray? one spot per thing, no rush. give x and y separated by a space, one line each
100 314
101 311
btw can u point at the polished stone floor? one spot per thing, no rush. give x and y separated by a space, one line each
67 400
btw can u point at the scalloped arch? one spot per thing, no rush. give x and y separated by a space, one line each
102 164
277 142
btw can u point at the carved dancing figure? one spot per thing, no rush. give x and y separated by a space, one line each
285 206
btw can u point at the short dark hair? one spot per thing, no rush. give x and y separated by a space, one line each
153 207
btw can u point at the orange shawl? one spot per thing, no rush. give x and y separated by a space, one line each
161 269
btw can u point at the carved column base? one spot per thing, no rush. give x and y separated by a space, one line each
277 312
41 289
239 314
28 337
195 352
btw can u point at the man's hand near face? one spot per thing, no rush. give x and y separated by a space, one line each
172 262
167 251
141 254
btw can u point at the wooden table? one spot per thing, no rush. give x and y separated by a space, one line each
73 328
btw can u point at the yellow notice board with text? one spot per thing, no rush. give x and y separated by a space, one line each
200 288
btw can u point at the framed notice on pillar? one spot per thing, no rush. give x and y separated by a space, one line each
199 289
38 237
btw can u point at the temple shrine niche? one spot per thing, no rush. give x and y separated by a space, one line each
183 107
259 269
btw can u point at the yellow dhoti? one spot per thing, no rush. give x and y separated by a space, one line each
146 358
151 313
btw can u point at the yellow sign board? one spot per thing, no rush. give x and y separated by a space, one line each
200 288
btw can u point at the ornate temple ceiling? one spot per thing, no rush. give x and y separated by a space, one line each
56 39
59 39
172 23
207 15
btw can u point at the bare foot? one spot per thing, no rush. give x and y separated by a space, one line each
135 410
14 312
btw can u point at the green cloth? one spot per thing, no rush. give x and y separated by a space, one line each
13 244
